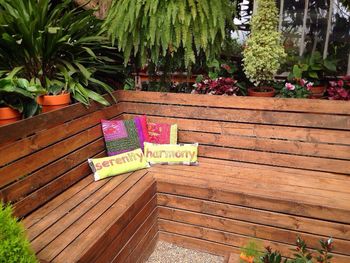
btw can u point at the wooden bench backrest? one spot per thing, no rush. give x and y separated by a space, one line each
45 155
302 134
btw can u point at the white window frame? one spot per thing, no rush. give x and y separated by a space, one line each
302 41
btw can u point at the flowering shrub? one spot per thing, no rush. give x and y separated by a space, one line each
338 90
218 86
300 89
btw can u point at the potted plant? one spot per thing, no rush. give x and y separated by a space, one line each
17 97
58 45
263 51
220 81
299 89
14 246
314 68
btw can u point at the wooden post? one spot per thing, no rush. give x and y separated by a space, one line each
329 25
255 7
302 41
281 16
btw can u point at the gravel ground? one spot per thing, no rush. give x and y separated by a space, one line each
169 253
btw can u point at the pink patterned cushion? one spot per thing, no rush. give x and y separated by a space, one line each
162 133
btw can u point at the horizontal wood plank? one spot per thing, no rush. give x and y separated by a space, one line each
117 216
300 134
336 122
34 181
253 103
52 153
136 241
50 136
276 159
222 192
231 239
248 229
113 244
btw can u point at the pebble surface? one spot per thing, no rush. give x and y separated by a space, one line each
170 253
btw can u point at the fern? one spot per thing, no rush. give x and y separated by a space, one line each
153 28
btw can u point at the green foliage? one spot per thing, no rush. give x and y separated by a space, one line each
252 250
251 253
313 67
129 84
271 256
263 53
14 246
154 28
19 93
57 45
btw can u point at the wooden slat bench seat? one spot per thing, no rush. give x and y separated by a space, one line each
270 169
68 216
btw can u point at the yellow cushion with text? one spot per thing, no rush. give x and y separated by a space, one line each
118 164
171 153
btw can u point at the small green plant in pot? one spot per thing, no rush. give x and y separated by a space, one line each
264 51
314 68
17 97
60 46
14 246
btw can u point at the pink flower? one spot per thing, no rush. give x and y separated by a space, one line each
340 83
309 85
343 92
333 83
303 82
290 86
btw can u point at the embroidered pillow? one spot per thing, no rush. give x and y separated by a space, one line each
118 164
124 135
171 153
162 133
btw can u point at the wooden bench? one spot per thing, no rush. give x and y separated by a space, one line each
270 169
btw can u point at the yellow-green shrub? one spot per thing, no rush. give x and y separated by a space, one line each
14 246
264 52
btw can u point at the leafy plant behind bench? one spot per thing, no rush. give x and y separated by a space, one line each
14 246
19 93
59 45
150 29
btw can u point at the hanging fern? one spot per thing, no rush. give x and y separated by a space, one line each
153 28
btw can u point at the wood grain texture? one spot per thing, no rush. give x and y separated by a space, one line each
336 122
114 218
253 103
24 128
248 214
248 229
231 239
272 169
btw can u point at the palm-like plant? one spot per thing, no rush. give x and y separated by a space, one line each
59 46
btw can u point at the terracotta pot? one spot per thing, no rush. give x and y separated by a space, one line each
9 115
267 92
317 92
245 258
54 102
